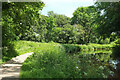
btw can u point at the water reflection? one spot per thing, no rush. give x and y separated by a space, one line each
97 64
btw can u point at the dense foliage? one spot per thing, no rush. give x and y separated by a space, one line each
85 16
18 21
81 33
22 21
53 60
109 20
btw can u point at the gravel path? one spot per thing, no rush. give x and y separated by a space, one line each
11 68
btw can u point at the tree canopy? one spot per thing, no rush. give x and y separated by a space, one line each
19 19
22 21
109 20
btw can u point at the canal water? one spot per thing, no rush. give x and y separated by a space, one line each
97 64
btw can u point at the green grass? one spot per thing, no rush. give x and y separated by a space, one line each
16 48
52 60
49 61
21 47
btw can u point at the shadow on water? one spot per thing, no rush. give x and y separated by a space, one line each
116 60
97 64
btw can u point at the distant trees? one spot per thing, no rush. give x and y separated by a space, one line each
27 24
67 34
22 21
60 20
62 31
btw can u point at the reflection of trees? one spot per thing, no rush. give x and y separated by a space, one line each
115 67
93 65
116 51
116 60
104 57
117 72
100 55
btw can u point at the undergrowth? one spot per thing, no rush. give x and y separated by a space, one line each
54 60
21 47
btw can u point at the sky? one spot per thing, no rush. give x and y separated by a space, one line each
65 7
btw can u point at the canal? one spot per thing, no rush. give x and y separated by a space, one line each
97 64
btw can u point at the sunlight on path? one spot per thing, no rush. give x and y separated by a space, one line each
11 68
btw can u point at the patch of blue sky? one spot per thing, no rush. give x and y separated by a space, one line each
65 7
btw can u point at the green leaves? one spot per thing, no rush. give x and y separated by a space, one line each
18 18
85 16
109 19
53 60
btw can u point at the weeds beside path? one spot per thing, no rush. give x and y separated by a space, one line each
11 68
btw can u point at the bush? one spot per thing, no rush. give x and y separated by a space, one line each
117 41
90 47
85 47
101 41
69 48
49 62
106 41
113 43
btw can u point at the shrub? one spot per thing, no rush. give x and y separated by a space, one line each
101 41
85 47
106 41
117 41
103 47
113 43
69 48
90 47
49 62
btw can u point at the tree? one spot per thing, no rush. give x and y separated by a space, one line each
109 20
79 33
53 22
68 34
19 18
85 16
50 25
60 20
63 34
18 22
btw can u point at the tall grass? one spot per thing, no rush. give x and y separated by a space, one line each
22 47
17 48
51 60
